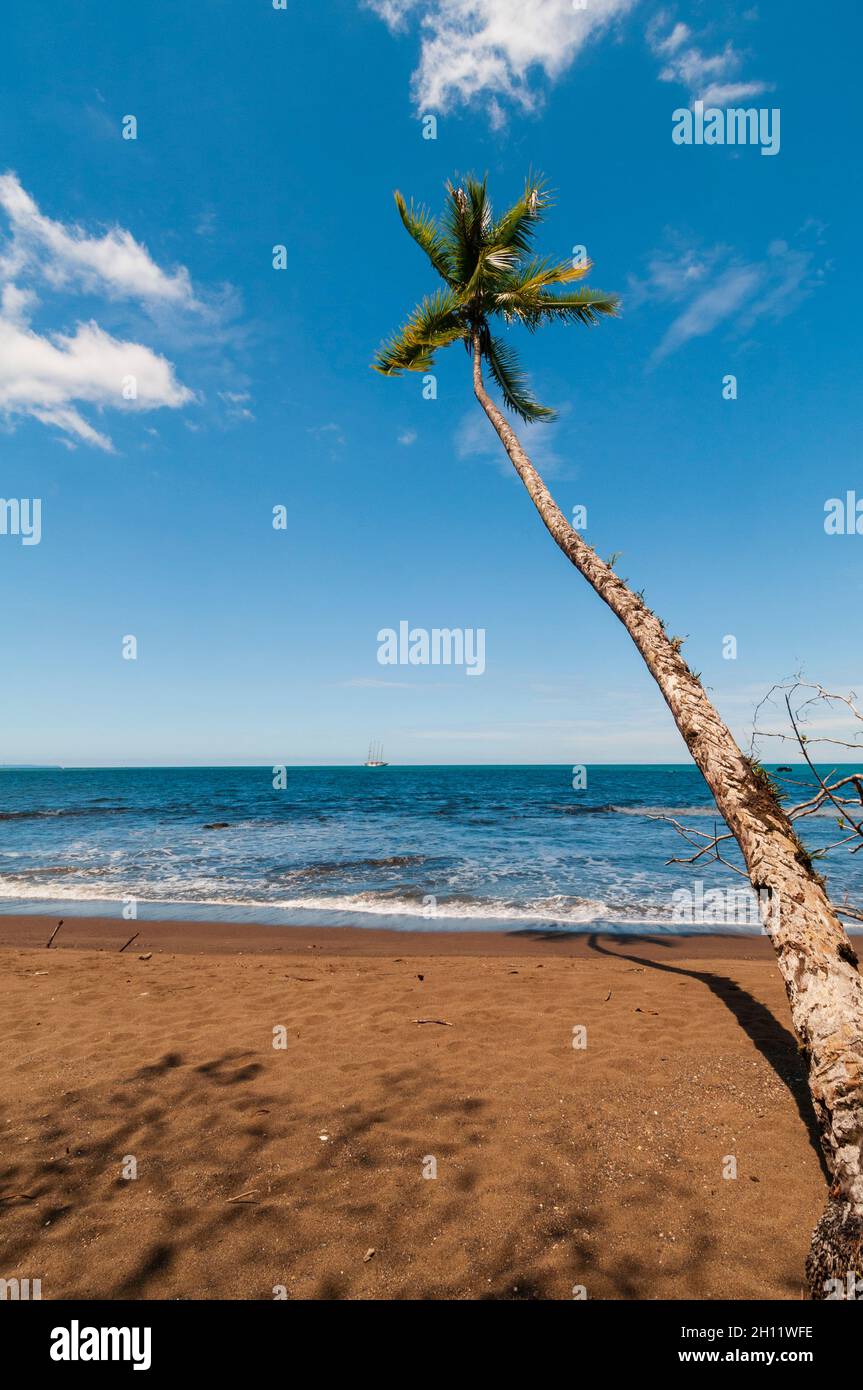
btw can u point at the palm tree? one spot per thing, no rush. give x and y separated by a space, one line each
489 272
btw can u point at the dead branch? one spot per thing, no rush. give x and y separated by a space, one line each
802 701
710 848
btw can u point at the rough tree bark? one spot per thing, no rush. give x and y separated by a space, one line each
816 959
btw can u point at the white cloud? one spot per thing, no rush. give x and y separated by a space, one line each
41 376
66 418
674 40
672 275
15 303
498 49
713 306
495 47
728 94
237 403
705 75
718 288
393 12
114 263
408 437
47 375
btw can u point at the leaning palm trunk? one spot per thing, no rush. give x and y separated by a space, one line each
816 959
490 274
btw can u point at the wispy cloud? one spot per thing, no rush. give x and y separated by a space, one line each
475 438
495 48
237 405
717 288
715 304
370 683
330 433
713 78
408 437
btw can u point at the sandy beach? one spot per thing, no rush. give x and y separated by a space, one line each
301 1168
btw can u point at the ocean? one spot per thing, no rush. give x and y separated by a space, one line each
416 848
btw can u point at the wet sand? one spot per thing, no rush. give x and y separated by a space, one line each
263 1167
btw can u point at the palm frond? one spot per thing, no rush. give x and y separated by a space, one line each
481 217
435 323
515 230
492 264
517 289
573 306
425 231
510 376
468 220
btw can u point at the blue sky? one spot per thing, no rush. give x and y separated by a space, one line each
258 127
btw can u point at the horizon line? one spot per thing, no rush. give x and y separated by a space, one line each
334 766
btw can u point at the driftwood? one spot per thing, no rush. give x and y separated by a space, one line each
54 933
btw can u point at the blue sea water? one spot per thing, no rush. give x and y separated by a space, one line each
419 848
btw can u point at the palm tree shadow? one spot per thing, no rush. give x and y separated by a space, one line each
776 1045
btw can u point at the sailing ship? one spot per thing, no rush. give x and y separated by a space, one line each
376 756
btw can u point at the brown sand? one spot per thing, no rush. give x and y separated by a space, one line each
258 1167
